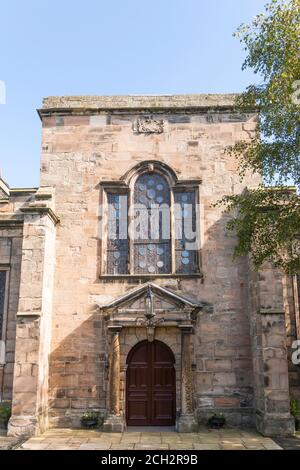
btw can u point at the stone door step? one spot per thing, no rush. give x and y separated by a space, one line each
150 429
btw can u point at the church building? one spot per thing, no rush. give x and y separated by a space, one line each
119 292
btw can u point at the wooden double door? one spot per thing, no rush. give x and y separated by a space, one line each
150 385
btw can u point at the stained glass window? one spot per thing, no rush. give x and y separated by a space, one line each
117 243
2 299
158 234
185 232
152 225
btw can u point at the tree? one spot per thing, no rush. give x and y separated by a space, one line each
267 219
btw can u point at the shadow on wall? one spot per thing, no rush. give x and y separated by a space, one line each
222 343
222 368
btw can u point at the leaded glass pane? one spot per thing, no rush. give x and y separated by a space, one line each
117 240
185 232
2 299
152 225
152 258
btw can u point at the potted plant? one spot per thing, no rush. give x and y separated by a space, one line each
295 412
217 420
90 419
5 413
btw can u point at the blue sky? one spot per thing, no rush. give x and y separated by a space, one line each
70 47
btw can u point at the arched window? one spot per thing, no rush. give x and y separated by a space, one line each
152 236
152 224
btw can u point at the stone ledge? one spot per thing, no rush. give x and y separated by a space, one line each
38 313
10 222
266 311
41 210
140 101
145 277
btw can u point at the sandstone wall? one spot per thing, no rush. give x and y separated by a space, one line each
78 152
11 239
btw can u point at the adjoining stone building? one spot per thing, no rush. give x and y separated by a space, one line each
74 335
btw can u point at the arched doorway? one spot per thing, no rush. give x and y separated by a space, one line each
150 385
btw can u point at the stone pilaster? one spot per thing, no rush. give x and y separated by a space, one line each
186 421
114 421
1 380
270 365
33 329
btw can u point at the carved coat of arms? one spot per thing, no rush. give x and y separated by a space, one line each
149 126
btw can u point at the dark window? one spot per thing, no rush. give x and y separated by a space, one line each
185 232
117 243
2 299
152 247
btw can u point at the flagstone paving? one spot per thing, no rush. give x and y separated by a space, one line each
7 443
205 439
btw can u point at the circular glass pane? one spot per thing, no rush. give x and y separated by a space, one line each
159 199
151 269
142 251
160 264
185 254
142 264
185 261
150 183
160 251
142 187
184 198
143 199
117 254
151 247
159 187
151 193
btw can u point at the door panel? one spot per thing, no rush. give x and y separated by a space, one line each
150 385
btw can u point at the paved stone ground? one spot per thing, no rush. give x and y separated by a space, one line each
225 439
70 439
289 443
7 443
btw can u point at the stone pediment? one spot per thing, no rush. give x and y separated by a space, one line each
173 306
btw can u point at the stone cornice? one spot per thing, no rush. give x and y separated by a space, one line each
87 105
23 190
8 223
266 311
41 210
36 313
146 277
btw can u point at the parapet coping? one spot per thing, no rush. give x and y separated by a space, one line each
65 105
